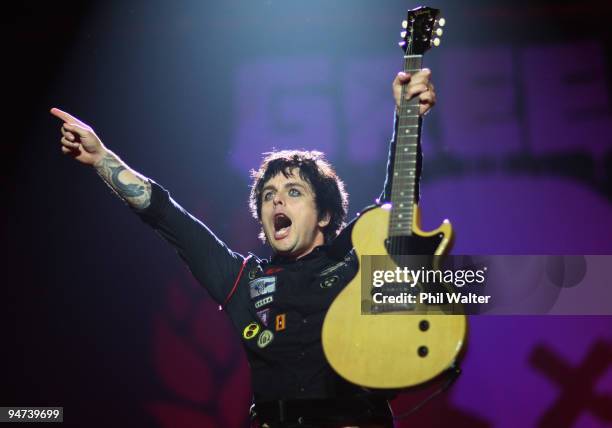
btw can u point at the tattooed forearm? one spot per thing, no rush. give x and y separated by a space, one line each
126 183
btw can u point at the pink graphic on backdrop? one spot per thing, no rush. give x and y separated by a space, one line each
478 101
283 104
568 102
576 384
199 361
501 383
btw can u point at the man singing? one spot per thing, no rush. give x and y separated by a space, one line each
277 307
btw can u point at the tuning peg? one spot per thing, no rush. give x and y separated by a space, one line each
441 22
436 42
402 43
439 31
404 24
403 34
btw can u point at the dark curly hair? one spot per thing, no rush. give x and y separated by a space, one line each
330 196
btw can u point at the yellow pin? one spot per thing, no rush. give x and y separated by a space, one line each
250 331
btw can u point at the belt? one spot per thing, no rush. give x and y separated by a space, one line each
322 412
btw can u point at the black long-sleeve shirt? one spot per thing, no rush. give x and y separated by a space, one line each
278 307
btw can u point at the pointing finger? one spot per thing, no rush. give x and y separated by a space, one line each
67 117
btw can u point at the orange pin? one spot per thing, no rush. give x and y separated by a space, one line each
279 322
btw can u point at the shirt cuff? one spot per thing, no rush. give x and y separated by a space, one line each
160 199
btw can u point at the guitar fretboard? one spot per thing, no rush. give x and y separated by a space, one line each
404 174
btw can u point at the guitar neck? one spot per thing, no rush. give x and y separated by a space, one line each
404 173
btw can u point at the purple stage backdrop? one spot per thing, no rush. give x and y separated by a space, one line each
517 155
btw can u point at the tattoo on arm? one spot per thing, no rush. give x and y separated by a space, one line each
132 187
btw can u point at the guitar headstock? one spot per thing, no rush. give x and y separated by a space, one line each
422 29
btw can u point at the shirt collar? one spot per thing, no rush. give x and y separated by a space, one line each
316 252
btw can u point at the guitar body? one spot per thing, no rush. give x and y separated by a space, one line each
386 350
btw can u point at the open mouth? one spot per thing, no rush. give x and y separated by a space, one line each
282 224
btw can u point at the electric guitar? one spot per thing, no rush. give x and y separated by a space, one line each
400 346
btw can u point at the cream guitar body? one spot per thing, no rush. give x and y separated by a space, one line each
390 350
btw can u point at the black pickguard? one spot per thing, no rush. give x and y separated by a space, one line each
413 244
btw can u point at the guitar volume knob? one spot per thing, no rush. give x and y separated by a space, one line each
423 351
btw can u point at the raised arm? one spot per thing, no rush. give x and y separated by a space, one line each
81 142
212 263
416 85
